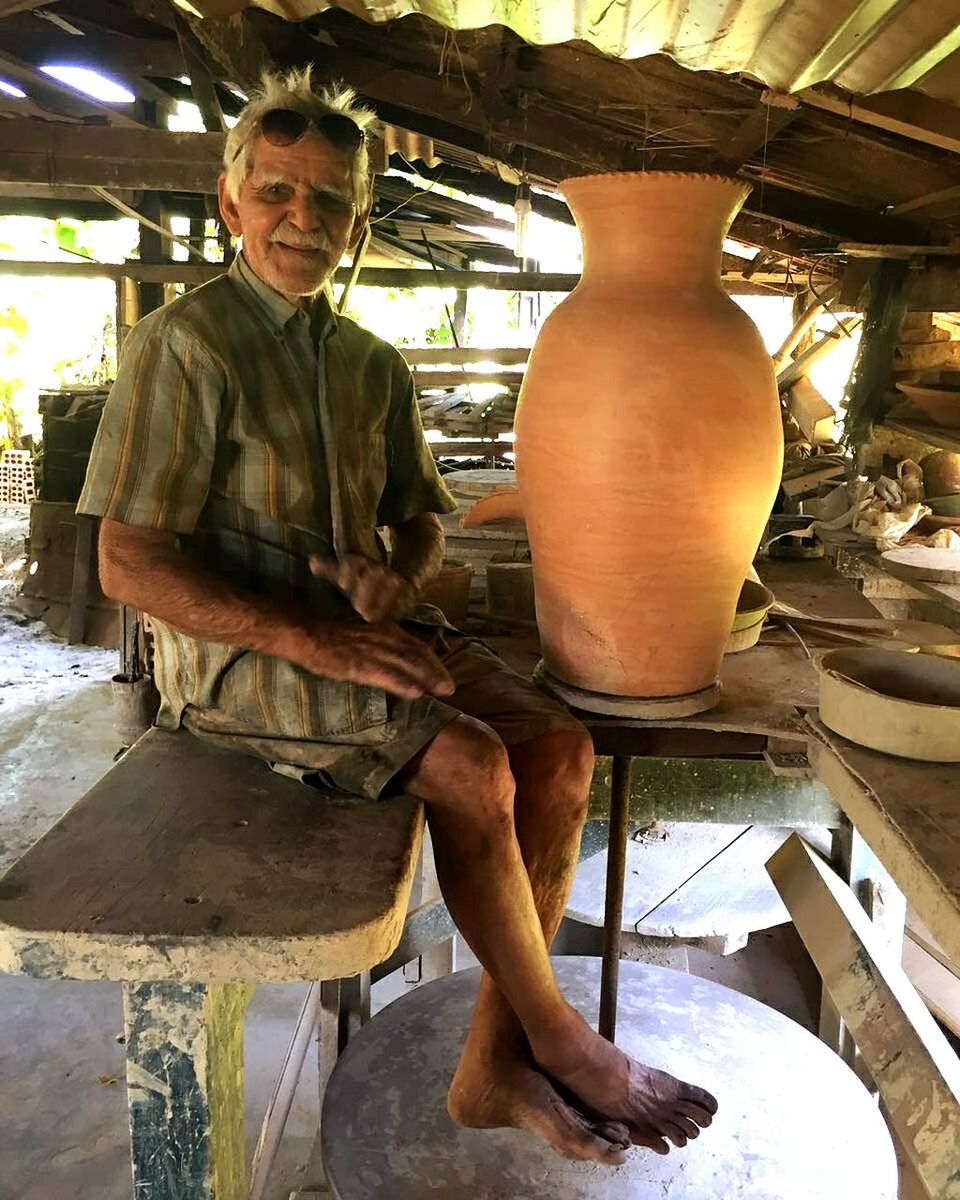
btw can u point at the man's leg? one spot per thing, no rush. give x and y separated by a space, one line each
466 780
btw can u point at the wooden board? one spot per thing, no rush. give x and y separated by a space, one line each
763 690
923 562
909 814
187 862
914 1067
816 588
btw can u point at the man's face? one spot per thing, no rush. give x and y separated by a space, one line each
296 213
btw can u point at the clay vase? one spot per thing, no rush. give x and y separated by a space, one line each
649 448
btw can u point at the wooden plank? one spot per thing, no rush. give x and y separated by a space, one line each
939 988
454 448
799 366
154 159
907 813
926 431
815 587
190 862
916 1070
504 356
461 377
713 790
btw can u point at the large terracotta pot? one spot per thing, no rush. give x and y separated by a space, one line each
649 446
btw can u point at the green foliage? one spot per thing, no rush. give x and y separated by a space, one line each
70 236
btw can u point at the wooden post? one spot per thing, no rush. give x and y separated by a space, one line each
802 328
185 1089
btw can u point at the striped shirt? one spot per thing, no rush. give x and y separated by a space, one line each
261 433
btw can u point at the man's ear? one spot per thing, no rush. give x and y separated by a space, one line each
228 207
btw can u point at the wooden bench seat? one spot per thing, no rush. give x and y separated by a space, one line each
191 874
188 862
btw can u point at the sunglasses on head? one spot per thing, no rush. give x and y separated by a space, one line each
286 126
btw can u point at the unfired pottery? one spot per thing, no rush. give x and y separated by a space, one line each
450 590
893 701
941 470
649 444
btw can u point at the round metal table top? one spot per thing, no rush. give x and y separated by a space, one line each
794 1121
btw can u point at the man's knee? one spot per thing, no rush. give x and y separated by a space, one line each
466 766
554 771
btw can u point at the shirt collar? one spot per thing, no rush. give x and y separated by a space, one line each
277 309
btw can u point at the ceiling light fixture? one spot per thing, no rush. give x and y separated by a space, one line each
90 83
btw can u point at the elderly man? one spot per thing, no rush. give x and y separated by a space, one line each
253 445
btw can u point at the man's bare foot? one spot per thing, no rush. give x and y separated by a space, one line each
513 1094
605 1081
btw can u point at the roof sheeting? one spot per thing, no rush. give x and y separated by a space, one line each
862 46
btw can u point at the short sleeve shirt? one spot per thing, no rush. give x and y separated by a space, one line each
260 433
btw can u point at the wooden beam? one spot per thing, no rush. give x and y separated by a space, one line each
202 83
909 114
134 56
119 159
509 356
237 46
813 214
943 203
934 288
758 129
388 277
912 1063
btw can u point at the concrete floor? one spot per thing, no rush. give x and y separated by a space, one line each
62 1092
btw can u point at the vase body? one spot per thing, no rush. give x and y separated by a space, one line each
649 441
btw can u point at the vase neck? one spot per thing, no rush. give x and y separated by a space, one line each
666 229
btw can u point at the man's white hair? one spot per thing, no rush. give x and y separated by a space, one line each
295 90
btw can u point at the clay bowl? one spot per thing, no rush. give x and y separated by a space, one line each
450 591
893 701
941 405
753 605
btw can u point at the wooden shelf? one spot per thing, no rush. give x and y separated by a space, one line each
926 431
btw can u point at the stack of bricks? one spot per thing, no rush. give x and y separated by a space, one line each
16 477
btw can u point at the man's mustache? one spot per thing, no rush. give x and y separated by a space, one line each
290 235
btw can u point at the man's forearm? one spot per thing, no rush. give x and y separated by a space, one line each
194 600
417 552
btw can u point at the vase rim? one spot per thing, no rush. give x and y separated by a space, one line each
582 182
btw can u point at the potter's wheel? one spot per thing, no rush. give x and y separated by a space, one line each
643 708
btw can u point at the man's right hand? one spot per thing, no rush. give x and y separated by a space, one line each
381 655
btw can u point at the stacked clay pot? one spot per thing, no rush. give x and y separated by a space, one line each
649 445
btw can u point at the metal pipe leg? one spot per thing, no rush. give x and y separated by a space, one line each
613 908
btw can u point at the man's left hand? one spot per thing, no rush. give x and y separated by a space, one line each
375 591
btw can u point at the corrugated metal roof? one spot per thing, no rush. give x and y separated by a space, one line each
862 46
